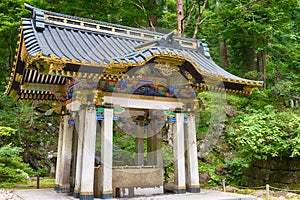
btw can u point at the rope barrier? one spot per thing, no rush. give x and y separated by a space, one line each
285 190
259 187
271 187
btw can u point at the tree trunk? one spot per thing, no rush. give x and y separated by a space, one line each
180 17
262 65
224 55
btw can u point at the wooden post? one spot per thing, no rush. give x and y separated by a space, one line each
38 181
224 184
267 192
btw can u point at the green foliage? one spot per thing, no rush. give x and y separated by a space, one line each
123 149
12 167
249 27
6 131
28 129
9 151
210 168
268 134
44 183
236 167
262 126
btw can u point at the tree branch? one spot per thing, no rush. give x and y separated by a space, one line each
190 13
199 21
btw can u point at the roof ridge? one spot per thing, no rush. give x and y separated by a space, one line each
33 9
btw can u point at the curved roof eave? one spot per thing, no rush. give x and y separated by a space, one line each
55 37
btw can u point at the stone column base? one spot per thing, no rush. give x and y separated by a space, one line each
76 194
62 188
56 188
193 189
106 196
86 196
179 190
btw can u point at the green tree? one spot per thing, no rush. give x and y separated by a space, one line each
11 13
12 167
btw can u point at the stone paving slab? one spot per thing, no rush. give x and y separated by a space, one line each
41 194
50 194
8 195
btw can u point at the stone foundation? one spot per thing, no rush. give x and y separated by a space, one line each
278 172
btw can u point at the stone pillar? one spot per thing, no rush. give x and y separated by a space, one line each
74 158
154 142
80 131
151 142
192 174
179 161
139 141
59 158
159 155
159 123
88 155
106 153
66 155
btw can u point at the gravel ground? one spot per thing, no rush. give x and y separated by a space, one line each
8 195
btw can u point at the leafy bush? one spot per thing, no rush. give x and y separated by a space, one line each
30 128
6 131
267 133
12 167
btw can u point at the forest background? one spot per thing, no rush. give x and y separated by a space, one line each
255 39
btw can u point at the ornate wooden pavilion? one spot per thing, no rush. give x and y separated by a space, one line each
94 72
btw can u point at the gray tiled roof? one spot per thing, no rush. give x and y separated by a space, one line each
78 41
104 42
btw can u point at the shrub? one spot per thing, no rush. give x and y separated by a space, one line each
12 167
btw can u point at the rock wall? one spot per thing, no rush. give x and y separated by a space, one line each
278 172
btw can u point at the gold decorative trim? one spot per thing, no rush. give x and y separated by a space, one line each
86 193
64 186
13 74
106 192
18 77
41 87
169 61
24 55
121 67
179 187
193 186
